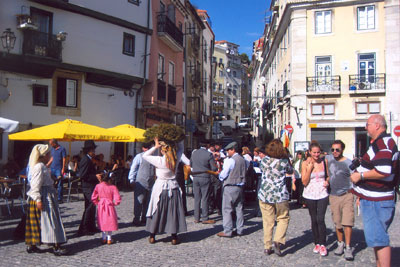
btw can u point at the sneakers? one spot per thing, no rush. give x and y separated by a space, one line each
316 249
348 254
340 248
323 251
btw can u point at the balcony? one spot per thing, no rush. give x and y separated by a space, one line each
171 94
196 43
196 78
367 84
161 91
41 44
279 98
286 91
323 85
169 33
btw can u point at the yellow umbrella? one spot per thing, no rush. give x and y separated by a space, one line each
69 130
135 134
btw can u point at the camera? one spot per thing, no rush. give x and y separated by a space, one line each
354 164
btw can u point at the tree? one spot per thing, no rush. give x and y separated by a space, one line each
244 58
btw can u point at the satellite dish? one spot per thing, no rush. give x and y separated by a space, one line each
4 93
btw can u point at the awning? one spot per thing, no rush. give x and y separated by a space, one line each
7 125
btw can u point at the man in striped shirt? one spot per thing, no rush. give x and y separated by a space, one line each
373 184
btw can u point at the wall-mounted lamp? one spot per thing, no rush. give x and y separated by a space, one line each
8 40
61 36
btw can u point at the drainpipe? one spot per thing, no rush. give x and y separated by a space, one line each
144 72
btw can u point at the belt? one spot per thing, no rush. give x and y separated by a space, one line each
234 185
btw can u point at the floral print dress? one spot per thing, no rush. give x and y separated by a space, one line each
273 186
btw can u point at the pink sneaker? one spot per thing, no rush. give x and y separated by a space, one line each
322 251
316 249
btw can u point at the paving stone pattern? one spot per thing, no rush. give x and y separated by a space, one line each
200 246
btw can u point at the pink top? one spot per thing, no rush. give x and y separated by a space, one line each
315 189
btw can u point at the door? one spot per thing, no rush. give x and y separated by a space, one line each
323 69
366 68
324 136
362 141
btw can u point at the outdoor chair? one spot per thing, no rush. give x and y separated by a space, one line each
73 184
12 192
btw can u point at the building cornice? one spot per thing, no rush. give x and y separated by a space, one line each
94 14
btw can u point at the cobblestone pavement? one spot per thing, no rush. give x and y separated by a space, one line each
200 246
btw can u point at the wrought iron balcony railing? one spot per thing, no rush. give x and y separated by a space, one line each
367 83
286 90
324 84
41 44
161 91
168 27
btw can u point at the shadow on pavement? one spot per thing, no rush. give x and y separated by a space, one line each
195 236
297 243
127 237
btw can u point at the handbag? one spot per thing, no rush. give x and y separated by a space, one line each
326 176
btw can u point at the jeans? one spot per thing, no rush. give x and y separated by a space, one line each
377 217
56 173
317 209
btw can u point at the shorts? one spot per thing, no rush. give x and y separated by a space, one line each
342 208
377 217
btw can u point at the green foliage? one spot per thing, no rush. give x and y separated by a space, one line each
169 133
244 58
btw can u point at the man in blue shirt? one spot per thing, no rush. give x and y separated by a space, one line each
233 175
57 165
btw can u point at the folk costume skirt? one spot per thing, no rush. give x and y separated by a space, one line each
52 228
170 216
32 226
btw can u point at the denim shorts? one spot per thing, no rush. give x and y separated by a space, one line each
377 217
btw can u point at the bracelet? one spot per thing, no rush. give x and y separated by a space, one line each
362 176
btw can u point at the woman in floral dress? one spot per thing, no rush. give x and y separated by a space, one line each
274 197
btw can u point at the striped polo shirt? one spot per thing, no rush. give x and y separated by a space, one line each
379 157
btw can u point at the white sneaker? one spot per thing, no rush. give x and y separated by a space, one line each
340 248
348 254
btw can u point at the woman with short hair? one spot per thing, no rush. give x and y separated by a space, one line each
274 196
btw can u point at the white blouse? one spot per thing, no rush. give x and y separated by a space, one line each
40 177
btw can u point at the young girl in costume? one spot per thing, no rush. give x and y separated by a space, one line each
106 196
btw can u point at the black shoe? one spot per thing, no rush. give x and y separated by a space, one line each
33 249
268 251
59 251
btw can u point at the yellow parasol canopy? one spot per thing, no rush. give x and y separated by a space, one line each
69 130
135 134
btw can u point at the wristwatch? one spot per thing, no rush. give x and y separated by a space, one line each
362 176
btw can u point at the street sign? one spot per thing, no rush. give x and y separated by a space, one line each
396 131
289 128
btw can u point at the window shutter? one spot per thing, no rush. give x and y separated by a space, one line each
70 100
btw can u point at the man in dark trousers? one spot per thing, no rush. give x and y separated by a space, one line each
87 172
202 161
233 176
141 177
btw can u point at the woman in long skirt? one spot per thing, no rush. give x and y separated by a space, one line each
43 220
165 212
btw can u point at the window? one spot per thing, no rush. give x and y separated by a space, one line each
129 44
171 74
161 68
234 73
220 60
162 7
368 108
214 87
67 92
366 18
214 59
40 95
366 67
220 86
322 109
136 2
323 66
221 74
323 22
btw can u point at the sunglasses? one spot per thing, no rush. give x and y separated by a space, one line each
335 149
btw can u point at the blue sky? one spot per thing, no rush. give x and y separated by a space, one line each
237 21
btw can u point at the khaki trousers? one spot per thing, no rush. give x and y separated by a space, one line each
269 211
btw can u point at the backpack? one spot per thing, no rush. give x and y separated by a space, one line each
396 172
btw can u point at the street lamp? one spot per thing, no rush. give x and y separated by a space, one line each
8 39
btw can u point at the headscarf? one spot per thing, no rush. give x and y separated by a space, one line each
170 155
37 152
